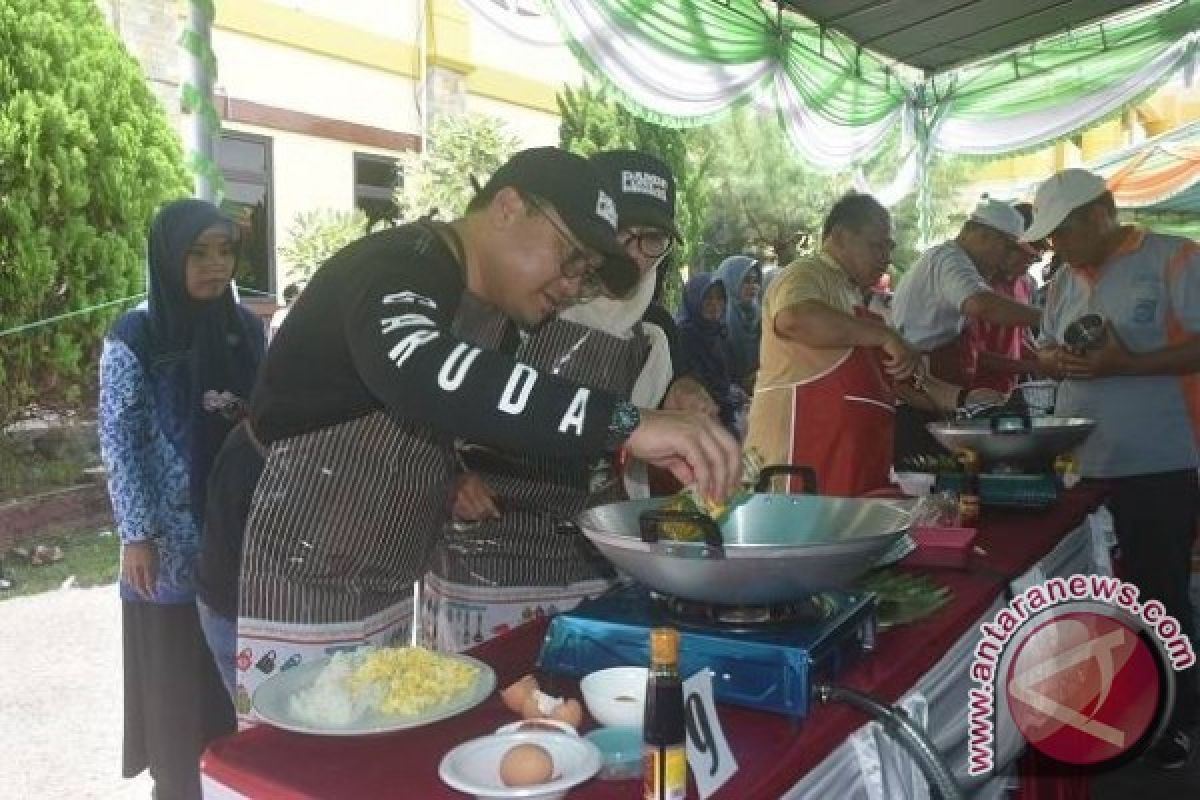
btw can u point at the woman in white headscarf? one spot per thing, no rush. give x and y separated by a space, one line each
503 562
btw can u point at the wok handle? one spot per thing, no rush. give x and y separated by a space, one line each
807 476
650 524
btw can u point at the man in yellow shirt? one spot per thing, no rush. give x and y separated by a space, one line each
831 370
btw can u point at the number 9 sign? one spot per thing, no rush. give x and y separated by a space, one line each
708 752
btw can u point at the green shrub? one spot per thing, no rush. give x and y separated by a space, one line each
86 156
316 235
439 178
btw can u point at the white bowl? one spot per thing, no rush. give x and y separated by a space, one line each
915 484
616 697
474 767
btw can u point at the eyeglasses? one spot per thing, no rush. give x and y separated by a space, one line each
578 263
650 242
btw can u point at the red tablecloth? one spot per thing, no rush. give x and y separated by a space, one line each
773 753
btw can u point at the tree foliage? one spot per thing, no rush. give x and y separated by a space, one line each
947 177
765 194
592 122
438 180
86 156
316 235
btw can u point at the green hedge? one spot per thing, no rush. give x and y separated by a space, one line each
86 156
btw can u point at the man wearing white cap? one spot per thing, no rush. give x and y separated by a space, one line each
949 285
1140 385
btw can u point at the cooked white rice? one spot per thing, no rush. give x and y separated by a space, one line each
329 701
392 680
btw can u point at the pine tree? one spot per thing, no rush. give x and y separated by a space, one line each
86 157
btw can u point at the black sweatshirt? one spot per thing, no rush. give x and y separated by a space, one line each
372 330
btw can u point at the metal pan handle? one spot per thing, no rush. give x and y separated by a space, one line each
807 476
650 524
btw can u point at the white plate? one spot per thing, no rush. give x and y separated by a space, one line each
474 766
272 706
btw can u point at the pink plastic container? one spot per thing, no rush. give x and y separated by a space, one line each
941 547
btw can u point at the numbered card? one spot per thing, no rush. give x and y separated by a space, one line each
708 751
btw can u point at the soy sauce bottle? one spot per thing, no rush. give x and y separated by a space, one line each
664 734
969 500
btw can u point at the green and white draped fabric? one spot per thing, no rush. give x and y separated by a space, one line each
1063 85
521 19
683 62
677 63
899 187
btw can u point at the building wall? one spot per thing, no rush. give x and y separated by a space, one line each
285 77
150 30
531 126
361 62
1172 106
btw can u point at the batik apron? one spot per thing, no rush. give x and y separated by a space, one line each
841 423
342 524
485 579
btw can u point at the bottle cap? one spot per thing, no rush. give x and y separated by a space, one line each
664 646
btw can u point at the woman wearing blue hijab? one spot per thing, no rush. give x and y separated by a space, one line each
174 378
703 349
742 277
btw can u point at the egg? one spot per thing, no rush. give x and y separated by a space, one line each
514 696
569 712
526 765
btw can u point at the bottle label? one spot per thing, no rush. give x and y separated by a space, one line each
665 773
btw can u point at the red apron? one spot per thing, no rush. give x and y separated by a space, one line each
843 424
954 362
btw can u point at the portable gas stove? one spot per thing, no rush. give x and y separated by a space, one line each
763 657
1008 488
1017 452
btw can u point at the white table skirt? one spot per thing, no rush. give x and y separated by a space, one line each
870 766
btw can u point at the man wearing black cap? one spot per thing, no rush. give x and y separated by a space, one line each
501 559
382 362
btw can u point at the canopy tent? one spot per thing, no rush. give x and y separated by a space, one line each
835 80
937 35
681 62
1161 174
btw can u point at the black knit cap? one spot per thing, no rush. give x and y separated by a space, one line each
581 197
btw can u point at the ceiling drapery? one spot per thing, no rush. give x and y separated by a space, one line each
683 62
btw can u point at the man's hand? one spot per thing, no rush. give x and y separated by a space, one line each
474 500
1112 358
688 394
694 448
900 359
139 566
1049 360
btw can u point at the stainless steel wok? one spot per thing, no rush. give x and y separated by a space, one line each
773 548
1029 442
